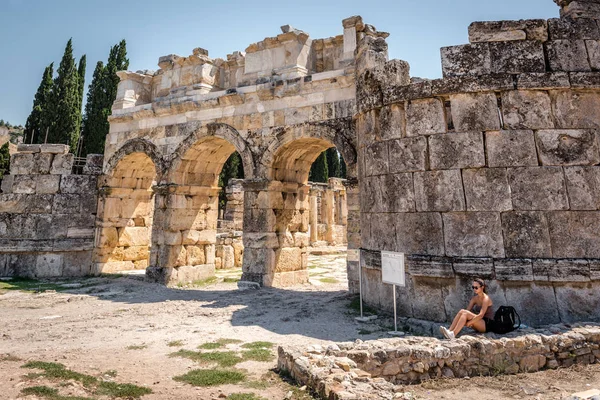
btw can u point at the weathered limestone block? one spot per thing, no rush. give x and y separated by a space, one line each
392 122
107 237
567 55
541 188
574 234
475 112
389 193
419 233
24 184
382 235
48 265
136 253
21 164
583 187
439 191
54 148
28 148
470 267
473 234
536 302
195 255
580 9
593 50
408 155
501 31
47 184
289 259
513 269
66 204
576 109
52 226
568 147
62 164
21 203
577 302
93 164
517 57
425 117
428 301
543 81
525 109
7 183
486 189
468 59
526 234
227 256
134 236
595 270
561 270
238 251
42 162
83 184
571 29
396 73
377 159
195 273
456 150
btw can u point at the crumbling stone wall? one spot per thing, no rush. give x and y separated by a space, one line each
491 171
328 213
47 214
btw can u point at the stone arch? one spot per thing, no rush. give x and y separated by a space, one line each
183 247
291 155
126 208
136 146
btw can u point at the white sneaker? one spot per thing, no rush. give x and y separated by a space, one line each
445 332
451 335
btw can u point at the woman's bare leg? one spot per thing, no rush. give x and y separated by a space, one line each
456 319
462 321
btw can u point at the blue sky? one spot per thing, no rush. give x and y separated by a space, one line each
33 33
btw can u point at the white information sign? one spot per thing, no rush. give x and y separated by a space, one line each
392 268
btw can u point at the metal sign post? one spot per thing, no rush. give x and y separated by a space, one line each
392 272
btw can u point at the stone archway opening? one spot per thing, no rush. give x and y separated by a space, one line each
184 245
125 215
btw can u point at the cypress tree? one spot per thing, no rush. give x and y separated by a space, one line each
79 103
35 127
333 162
4 160
101 94
318 170
64 100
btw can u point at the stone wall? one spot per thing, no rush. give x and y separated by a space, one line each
491 171
378 369
47 214
328 213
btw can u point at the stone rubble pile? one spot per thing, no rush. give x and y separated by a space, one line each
376 369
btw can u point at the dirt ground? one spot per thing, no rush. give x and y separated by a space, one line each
130 327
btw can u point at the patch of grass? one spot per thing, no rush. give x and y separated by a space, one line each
60 372
137 347
205 282
312 267
354 305
210 346
262 355
29 286
328 280
9 357
228 341
244 396
123 390
259 385
211 377
364 332
112 373
175 343
231 279
258 345
223 358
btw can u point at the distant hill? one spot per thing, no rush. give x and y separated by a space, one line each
11 133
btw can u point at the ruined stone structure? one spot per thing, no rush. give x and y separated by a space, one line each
279 105
47 214
491 171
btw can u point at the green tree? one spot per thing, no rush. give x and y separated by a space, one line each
4 161
101 95
36 125
232 169
64 127
319 171
333 162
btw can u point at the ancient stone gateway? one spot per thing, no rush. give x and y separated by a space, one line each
279 105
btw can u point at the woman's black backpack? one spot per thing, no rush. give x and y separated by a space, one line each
506 320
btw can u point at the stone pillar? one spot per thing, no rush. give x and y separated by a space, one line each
328 207
234 209
353 232
314 216
350 35
276 221
184 235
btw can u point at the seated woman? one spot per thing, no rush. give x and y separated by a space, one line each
479 315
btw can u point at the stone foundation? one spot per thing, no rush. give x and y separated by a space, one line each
377 369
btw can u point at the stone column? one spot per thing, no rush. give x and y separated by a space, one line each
276 221
314 215
353 232
234 209
184 234
328 207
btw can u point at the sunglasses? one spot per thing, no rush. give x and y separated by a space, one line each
475 287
